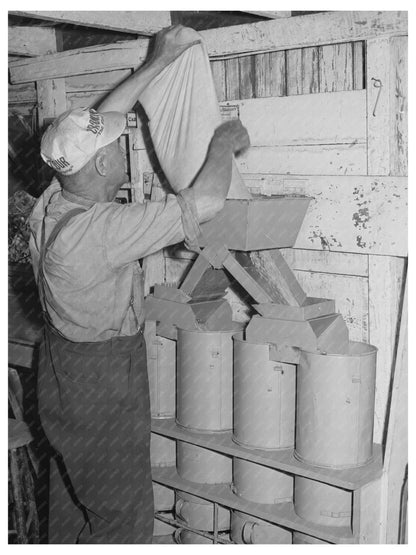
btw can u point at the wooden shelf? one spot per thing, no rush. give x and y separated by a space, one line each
282 514
350 479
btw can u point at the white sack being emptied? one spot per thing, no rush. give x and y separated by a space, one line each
182 107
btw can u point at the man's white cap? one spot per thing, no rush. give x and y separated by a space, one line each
76 135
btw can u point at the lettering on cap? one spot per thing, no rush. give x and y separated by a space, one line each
96 123
59 163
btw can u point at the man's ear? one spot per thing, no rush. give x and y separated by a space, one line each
101 162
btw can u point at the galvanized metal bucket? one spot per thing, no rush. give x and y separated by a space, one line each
251 530
163 498
203 466
183 536
335 407
264 398
299 538
261 484
161 361
199 513
162 451
204 379
162 528
321 503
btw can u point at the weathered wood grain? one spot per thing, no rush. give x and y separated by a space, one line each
232 79
22 94
378 125
350 159
246 77
140 22
362 214
399 106
344 263
323 28
105 81
294 71
385 285
94 59
315 119
218 75
335 67
31 41
51 99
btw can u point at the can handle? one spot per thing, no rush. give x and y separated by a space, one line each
178 507
247 532
177 534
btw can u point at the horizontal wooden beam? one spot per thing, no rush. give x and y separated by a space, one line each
140 22
304 31
95 59
273 35
31 41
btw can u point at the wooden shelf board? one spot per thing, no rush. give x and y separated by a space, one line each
282 514
350 479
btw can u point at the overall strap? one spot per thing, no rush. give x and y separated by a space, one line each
44 247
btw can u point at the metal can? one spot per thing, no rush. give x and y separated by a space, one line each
205 379
322 503
250 530
261 484
162 528
264 398
163 498
335 407
162 451
201 465
161 363
184 536
298 537
199 513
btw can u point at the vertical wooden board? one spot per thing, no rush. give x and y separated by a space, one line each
154 264
247 76
232 79
378 125
51 99
262 75
294 71
398 106
335 67
396 452
218 75
350 294
358 65
385 284
367 512
277 76
310 70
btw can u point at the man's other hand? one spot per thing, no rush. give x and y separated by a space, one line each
232 133
172 42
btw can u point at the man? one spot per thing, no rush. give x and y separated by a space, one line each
92 384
